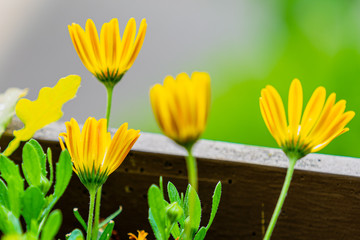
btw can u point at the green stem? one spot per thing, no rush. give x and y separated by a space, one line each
109 90
91 214
193 181
97 213
280 202
192 170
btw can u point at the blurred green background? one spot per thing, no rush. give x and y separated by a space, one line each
315 41
243 44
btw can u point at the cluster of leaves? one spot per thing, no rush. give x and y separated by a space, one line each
105 227
173 217
32 204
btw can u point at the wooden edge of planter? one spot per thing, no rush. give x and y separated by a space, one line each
220 151
323 201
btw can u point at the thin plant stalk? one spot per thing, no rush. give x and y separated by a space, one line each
91 214
280 202
109 90
193 181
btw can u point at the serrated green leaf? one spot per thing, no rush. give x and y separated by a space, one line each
215 204
63 174
4 198
9 169
175 197
32 204
157 206
108 231
52 225
8 102
200 235
196 214
44 110
76 234
34 165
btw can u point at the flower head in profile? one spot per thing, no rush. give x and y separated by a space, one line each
110 56
322 121
93 153
181 106
141 235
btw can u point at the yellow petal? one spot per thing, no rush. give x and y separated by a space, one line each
295 103
312 111
43 111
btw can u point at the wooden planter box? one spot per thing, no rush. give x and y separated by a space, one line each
323 201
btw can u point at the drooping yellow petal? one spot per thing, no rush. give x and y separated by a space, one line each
43 111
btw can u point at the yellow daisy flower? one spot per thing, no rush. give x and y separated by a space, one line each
109 57
93 153
322 121
141 235
181 106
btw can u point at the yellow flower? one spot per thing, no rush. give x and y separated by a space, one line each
321 122
141 235
181 106
94 155
110 57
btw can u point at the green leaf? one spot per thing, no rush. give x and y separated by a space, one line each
215 204
175 231
196 217
15 183
175 197
52 225
15 194
63 174
108 231
76 234
49 158
80 218
9 223
200 235
34 165
111 217
33 202
154 226
4 198
8 102
157 209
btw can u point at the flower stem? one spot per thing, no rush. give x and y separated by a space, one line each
97 213
109 90
193 181
192 170
91 214
280 202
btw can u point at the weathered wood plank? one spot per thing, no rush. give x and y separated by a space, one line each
323 202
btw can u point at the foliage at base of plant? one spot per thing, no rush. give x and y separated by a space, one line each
32 205
170 218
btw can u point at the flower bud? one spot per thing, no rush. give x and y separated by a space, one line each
174 212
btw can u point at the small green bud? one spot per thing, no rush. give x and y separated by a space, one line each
174 212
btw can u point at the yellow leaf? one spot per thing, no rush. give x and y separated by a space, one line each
44 110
